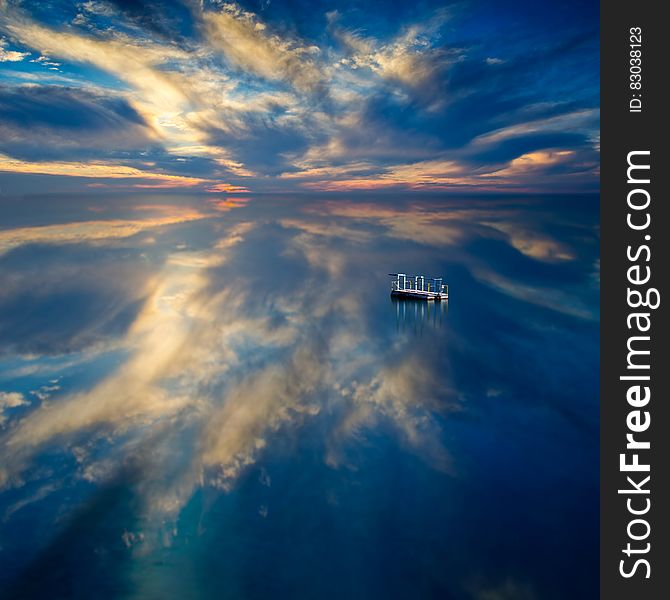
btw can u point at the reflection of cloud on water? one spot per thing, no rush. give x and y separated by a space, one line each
90 231
62 299
9 400
525 258
552 299
442 226
211 373
248 342
394 394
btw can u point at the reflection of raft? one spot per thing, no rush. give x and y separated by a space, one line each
418 287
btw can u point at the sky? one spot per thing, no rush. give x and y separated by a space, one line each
296 96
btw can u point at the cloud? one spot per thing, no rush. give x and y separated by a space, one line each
562 167
368 136
410 59
131 177
163 19
162 93
180 96
38 122
247 44
217 93
571 120
10 55
133 61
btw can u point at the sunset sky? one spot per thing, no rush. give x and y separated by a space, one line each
206 388
269 96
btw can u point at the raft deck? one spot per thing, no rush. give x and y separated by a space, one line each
418 287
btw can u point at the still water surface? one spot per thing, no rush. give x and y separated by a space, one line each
217 398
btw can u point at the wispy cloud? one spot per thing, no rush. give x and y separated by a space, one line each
332 105
10 55
112 172
247 44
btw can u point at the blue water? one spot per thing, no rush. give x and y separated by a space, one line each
206 398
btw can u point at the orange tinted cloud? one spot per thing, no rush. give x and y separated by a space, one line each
100 170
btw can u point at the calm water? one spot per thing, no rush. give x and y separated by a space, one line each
217 398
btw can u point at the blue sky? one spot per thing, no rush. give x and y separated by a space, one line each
270 96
